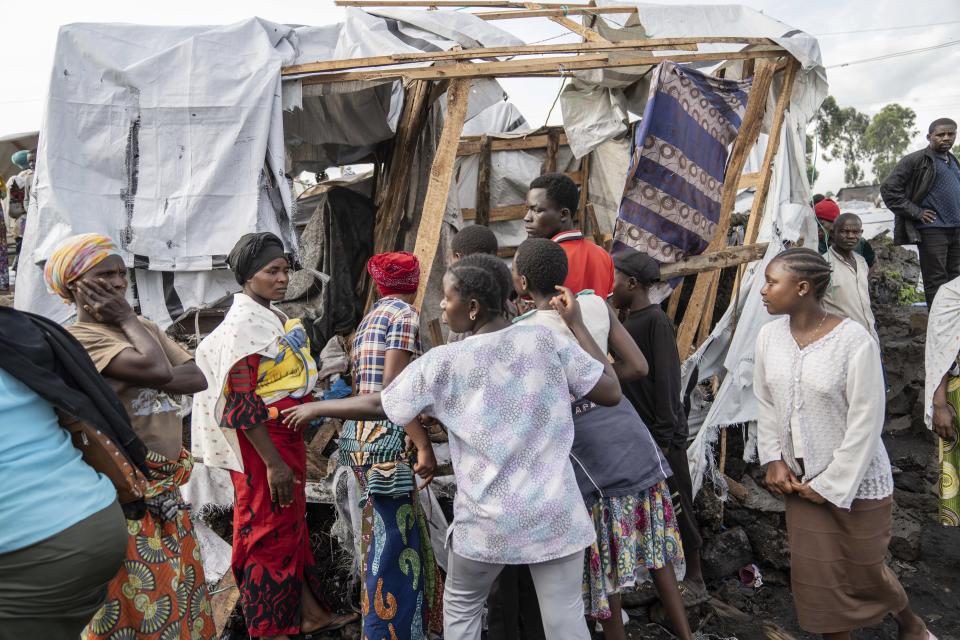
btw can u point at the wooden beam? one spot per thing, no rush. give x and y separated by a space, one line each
483 183
552 65
713 260
704 331
674 303
438 186
747 136
748 180
553 146
471 145
585 221
546 13
648 44
498 214
773 145
391 209
585 32
504 4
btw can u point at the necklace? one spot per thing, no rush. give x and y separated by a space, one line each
813 334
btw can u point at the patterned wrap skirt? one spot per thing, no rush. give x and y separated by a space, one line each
950 463
402 590
160 592
635 534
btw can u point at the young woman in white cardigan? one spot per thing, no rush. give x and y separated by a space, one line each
821 401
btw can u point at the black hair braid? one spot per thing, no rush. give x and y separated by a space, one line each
478 282
543 263
808 265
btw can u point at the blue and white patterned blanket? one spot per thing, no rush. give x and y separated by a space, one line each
671 203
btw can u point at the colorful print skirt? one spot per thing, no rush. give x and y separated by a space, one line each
634 534
160 592
402 590
950 464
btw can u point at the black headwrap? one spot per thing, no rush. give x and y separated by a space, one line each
253 252
46 358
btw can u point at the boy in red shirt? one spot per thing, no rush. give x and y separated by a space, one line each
552 201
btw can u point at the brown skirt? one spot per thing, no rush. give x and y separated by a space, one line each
839 579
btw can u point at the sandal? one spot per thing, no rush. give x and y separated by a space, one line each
336 623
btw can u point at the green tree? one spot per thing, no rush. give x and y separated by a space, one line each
887 137
812 172
840 132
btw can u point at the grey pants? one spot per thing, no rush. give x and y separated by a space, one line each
558 583
51 589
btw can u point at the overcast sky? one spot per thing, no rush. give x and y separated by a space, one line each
926 82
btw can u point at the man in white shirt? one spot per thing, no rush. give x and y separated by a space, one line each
849 292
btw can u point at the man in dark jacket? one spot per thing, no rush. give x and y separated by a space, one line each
923 191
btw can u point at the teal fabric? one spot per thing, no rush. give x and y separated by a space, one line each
45 486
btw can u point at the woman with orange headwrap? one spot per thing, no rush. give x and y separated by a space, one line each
160 592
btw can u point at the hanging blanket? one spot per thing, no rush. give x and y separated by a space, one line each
671 203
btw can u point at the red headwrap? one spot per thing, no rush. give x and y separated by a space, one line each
827 210
397 272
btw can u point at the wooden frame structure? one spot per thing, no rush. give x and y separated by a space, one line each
426 76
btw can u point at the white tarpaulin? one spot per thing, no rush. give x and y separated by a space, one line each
171 139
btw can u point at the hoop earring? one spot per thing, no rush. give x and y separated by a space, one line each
473 316
801 294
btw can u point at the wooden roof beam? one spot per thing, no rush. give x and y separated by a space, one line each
554 65
566 10
505 4
650 44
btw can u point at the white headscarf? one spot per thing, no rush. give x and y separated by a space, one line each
943 341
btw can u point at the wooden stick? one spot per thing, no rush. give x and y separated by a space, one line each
746 138
674 303
470 145
435 331
586 33
773 145
483 184
546 13
649 44
391 210
498 214
584 188
713 260
707 318
553 145
547 66
748 180
506 4
438 187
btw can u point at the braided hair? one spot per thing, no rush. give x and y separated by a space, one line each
807 265
481 277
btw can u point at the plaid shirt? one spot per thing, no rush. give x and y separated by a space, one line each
391 324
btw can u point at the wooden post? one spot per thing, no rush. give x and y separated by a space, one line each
390 209
773 145
762 191
482 216
746 138
553 146
438 187
674 303
584 187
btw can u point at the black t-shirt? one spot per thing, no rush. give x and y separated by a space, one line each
657 397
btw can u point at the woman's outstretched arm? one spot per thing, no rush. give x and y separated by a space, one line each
363 407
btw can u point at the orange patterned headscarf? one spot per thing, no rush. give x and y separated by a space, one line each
72 258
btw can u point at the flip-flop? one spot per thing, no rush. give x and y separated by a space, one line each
333 626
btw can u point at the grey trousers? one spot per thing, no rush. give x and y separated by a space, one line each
558 583
50 590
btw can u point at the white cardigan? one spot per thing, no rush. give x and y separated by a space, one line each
835 387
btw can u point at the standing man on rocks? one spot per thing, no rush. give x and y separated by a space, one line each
923 191
552 201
